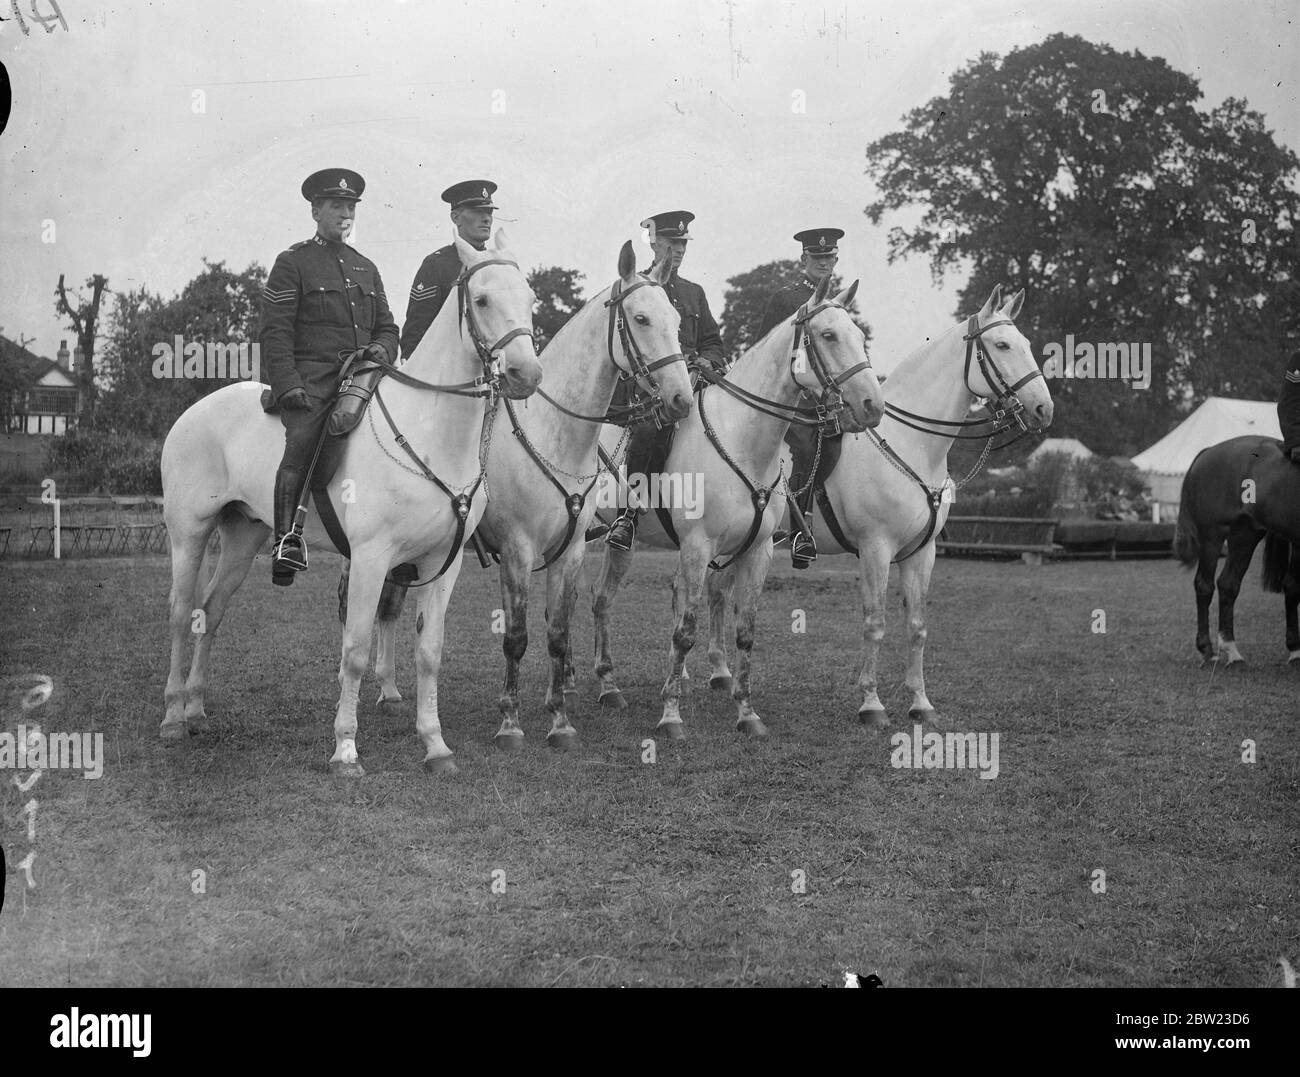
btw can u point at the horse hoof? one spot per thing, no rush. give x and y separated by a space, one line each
672 731
175 733
929 717
388 702
613 699
566 741
442 764
341 769
720 683
874 716
752 727
508 742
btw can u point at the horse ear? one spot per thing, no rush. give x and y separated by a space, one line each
499 241
846 297
823 286
1012 306
661 270
627 261
991 304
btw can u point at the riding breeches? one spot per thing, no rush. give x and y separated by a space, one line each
302 429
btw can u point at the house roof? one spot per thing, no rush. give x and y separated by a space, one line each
1217 419
22 369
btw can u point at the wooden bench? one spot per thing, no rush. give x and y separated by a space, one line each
1030 537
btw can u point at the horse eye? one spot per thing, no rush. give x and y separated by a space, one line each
828 335
641 319
481 301
1002 346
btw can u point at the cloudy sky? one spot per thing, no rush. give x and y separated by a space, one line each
589 114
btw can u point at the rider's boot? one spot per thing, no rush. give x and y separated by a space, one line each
289 552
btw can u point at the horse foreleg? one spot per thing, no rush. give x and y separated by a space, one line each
240 540
915 579
428 664
873 580
365 580
721 585
688 596
750 576
515 565
1242 540
561 597
613 569
1291 596
187 557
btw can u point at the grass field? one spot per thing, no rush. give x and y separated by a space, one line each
1116 752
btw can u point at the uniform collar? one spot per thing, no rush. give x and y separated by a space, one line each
328 244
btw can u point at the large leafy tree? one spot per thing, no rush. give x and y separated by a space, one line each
218 305
1089 177
559 297
746 301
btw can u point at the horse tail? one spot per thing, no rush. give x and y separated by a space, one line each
1187 535
1277 557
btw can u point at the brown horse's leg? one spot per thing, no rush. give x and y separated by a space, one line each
1291 593
1206 565
1242 540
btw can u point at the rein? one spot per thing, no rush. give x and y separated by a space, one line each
487 385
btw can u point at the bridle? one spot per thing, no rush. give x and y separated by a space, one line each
1008 410
647 399
829 406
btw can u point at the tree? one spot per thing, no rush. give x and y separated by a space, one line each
83 319
217 306
559 297
747 297
1088 177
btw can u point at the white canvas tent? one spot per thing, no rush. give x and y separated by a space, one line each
1070 446
1218 419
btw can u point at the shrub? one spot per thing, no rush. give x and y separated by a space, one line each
107 462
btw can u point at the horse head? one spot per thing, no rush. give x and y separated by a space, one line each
1000 364
648 326
499 307
836 371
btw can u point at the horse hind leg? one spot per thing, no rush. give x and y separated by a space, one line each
721 585
515 570
189 540
1291 596
1203 584
561 597
391 601
241 538
1242 540
750 577
614 567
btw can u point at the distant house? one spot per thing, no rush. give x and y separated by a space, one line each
1070 446
37 395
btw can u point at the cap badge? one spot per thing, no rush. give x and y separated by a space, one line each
343 183
485 194
821 241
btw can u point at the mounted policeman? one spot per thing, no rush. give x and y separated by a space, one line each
1288 409
323 307
701 344
820 253
471 213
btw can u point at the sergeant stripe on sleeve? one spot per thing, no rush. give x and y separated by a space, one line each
1290 376
420 292
279 296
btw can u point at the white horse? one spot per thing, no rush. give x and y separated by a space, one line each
218 468
888 496
731 445
543 467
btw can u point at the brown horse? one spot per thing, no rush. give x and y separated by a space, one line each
1240 491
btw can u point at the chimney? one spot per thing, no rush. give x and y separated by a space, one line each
61 356
77 358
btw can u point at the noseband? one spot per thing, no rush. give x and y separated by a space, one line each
830 405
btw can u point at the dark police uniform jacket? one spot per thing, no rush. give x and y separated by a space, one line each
1288 407
784 303
435 281
321 298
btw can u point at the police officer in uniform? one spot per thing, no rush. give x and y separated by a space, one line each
471 213
700 343
820 253
1288 409
321 298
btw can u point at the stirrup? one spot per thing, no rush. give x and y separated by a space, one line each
803 550
614 537
290 554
